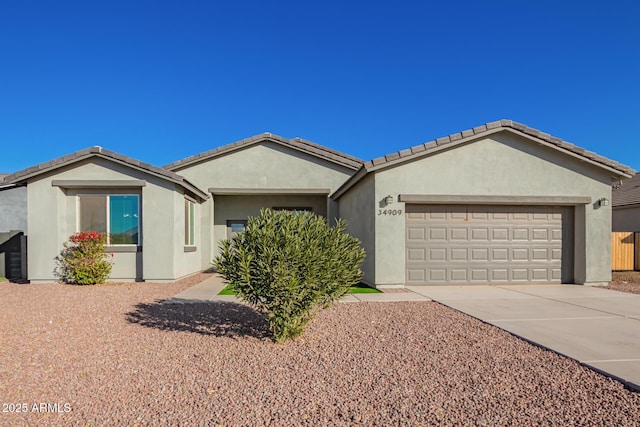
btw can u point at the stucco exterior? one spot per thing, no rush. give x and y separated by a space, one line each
264 175
504 166
498 164
160 257
357 208
13 209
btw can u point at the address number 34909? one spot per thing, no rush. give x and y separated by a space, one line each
389 211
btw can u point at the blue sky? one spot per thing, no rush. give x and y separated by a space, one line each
160 81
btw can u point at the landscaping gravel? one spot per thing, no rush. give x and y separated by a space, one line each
625 281
113 355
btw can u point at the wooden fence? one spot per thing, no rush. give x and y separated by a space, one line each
625 250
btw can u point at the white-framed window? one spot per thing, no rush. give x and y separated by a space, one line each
189 223
118 215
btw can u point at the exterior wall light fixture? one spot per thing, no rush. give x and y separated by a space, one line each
388 200
603 202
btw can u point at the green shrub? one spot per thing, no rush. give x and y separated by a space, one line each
290 265
83 259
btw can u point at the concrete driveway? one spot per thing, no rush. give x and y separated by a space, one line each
598 327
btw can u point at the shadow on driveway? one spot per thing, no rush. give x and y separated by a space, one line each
221 319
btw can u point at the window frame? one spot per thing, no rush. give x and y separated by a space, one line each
190 223
107 196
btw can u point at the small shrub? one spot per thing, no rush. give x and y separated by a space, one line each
290 265
83 259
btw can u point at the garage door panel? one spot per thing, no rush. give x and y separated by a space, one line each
520 254
458 275
480 254
459 233
540 234
519 275
520 234
482 244
417 254
416 233
437 254
438 275
499 275
480 234
479 275
539 275
416 275
459 254
500 234
438 233
539 254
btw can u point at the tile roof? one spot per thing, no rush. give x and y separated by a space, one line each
476 132
3 184
626 192
298 144
25 174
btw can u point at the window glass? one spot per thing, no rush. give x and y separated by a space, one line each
116 215
192 223
237 228
93 213
123 220
189 222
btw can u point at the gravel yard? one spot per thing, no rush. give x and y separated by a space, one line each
115 357
625 281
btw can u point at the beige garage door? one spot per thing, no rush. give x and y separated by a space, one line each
486 244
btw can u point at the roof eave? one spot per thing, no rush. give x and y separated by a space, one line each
38 170
296 144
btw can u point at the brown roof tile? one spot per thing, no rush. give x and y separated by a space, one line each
51 165
297 143
468 134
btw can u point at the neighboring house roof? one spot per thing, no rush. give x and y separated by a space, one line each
297 144
626 193
452 140
96 151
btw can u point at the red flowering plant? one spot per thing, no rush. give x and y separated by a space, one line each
83 259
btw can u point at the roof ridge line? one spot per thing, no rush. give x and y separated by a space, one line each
304 145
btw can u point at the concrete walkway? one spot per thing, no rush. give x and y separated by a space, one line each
599 328
207 291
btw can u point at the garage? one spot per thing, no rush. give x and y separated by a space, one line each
476 244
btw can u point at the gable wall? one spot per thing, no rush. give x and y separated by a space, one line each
502 164
13 209
266 166
52 218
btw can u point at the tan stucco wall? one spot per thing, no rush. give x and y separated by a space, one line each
52 219
626 218
502 164
186 262
265 167
356 208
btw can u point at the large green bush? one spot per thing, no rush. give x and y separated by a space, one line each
290 265
83 259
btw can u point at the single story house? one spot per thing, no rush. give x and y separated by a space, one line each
499 203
